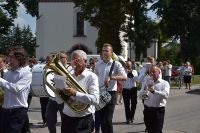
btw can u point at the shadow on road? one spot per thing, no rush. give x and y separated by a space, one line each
119 123
37 125
34 110
195 91
40 125
137 132
124 123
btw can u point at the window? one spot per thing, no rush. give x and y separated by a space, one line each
79 24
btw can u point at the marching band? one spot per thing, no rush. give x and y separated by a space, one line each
84 91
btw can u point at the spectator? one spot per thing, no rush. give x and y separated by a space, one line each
167 71
187 75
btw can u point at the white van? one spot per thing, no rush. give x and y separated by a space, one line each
91 56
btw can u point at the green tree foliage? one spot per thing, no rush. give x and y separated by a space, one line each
180 19
171 53
140 29
107 16
19 37
8 12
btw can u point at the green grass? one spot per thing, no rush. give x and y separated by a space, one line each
195 80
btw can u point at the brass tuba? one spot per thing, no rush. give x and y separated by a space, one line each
56 67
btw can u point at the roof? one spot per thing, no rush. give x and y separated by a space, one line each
55 0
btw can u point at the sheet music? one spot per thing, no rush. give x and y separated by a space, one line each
60 82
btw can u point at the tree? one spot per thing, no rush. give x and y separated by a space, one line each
8 12
31 7
171 53
180 20
19 37
28 40
140 29
107 16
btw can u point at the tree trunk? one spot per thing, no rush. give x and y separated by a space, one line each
184 51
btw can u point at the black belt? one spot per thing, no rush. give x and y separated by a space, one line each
153 108
89 115
13 109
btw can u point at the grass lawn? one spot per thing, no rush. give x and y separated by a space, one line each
195 80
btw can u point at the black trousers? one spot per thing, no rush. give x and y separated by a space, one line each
43 102
77 124
51 114
26 126
1 117
154 119
106 114
13 119
130 102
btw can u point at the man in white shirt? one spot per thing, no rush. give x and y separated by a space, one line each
154 105
16 84
109 80
81 122
129 92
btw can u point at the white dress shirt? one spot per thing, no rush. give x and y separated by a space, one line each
187 71
16 85
130 82
158 98
102 70
168 70
89 81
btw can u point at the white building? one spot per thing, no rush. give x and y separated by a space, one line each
59 27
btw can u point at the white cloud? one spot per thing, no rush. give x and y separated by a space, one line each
20 21
21 9
25 19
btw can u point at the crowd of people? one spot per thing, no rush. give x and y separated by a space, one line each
120 79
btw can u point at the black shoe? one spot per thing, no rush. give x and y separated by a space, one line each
127 122
44 125
131 121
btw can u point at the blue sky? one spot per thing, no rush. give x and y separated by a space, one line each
25 19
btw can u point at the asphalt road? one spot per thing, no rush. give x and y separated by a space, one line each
182 114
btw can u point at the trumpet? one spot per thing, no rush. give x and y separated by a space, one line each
148 87
145 96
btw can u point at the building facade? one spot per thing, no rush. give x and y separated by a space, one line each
59 27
